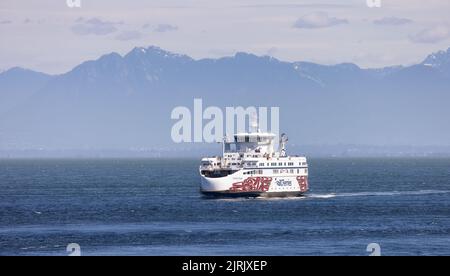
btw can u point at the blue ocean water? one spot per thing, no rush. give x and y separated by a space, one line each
153 207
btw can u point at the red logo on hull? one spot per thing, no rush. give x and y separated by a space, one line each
303 183
252 184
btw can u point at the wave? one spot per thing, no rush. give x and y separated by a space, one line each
392 193
333 195
321 195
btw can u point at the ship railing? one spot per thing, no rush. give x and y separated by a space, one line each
213 167
207 167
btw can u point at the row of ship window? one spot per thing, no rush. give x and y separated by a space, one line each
292 171
280 164
274 164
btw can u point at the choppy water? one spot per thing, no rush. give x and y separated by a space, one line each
153 207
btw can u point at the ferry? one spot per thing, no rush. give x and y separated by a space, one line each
251 167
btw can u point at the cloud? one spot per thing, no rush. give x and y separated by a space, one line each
318 20
392 21
432 35
94 26
4 22
129 35
162 28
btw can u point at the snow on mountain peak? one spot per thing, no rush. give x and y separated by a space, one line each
437 59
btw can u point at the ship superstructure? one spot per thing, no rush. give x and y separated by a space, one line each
250 167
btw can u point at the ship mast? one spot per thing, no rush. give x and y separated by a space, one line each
254 126
283 141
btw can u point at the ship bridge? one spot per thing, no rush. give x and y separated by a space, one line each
257 143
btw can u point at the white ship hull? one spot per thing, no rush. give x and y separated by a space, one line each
240 185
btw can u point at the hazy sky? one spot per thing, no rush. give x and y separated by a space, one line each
47 35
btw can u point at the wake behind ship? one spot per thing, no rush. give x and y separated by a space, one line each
250 167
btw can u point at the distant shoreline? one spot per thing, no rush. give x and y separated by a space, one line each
180 156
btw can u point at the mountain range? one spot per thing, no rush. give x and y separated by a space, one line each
125 102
